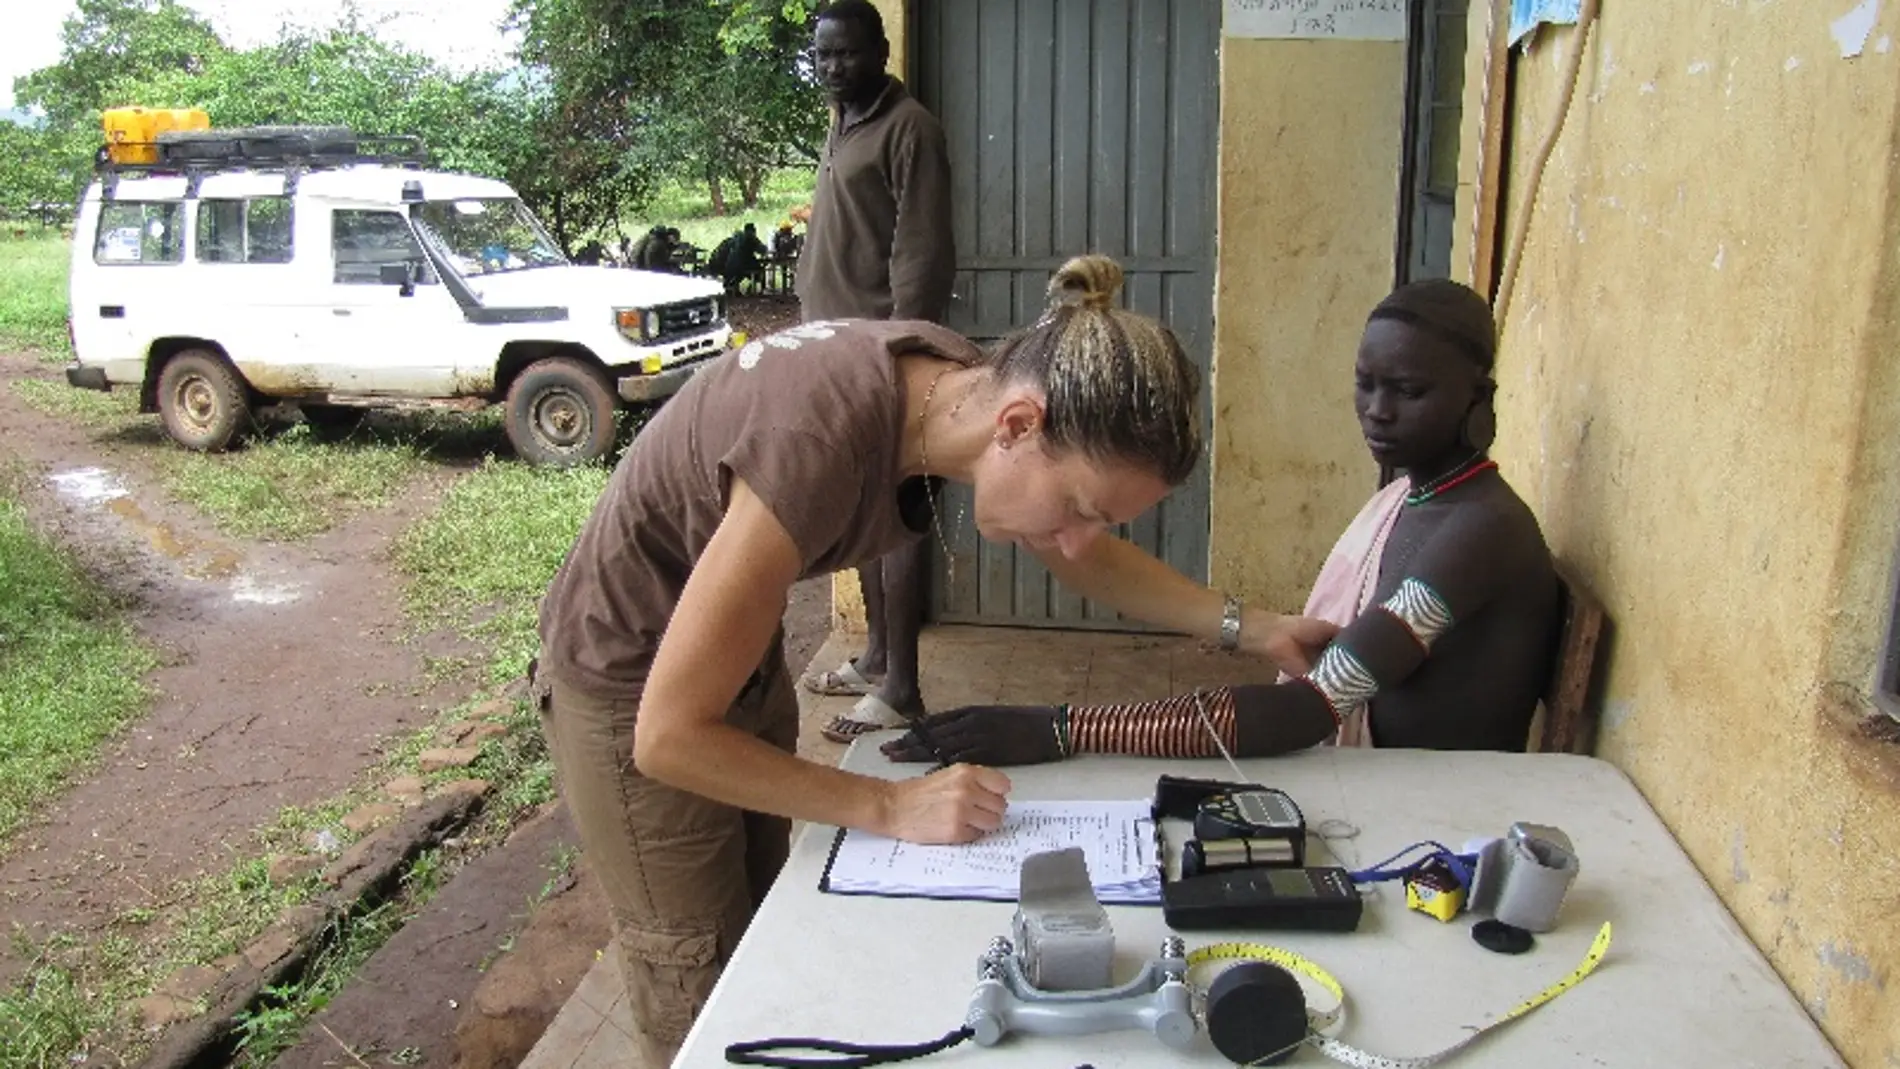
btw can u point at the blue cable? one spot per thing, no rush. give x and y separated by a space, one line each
1462 866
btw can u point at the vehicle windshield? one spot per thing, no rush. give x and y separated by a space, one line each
489 235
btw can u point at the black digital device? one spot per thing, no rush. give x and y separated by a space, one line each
1264 899
1180 797
1251 813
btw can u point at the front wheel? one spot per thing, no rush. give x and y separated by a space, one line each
202 401
561 412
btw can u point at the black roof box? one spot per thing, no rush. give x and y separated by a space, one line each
268 146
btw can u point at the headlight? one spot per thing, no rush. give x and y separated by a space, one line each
634 323
653 323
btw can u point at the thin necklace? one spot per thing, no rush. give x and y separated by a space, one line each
1469 468
923 454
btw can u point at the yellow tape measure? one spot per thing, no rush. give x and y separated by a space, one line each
1320 1022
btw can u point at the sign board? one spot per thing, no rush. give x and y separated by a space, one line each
1319 20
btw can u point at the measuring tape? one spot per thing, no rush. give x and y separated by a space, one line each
1319 1022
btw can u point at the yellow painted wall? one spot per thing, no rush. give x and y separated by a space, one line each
1309 152
1699 395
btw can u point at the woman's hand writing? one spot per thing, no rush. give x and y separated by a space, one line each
954 805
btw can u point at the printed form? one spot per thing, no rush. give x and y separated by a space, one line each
1117 840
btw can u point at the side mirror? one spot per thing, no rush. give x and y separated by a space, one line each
393 274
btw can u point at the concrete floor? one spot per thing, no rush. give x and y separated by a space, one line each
961 666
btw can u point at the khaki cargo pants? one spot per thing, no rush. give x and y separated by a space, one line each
683 874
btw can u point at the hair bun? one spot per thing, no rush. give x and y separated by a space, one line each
1089 281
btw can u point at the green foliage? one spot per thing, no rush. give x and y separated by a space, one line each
39 172
752 25
158 54
342 76
707 90
106 44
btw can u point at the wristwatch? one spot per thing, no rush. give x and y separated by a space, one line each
1230 623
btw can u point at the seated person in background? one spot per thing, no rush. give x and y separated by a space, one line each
737 259
1443 587
648 249
785 244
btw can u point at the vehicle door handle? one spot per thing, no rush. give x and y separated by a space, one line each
339 311
112 311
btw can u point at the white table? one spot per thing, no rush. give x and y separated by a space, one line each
1682 985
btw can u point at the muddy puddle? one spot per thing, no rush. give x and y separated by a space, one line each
196 558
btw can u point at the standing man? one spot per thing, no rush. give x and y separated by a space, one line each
878 246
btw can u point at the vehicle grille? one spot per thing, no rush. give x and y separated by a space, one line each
687 318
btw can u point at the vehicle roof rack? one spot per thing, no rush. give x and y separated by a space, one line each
294 150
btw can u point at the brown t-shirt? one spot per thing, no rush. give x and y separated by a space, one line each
811 418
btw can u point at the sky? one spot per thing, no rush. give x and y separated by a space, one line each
460 33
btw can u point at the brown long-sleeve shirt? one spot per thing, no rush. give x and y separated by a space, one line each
879 245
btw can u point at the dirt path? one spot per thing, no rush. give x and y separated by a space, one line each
282 674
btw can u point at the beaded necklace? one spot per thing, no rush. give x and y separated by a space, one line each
1471 468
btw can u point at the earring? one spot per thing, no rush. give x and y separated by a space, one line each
1480 427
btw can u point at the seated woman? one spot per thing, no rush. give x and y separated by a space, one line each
1443 587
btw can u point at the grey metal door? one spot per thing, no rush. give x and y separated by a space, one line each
1074 126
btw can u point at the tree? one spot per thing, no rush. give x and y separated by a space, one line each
35 173
341 76
108 42
550 151
703 90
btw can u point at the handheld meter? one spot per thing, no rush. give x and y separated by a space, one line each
1273 899
1247 828
1252 813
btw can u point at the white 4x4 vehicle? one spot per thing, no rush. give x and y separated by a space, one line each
252 268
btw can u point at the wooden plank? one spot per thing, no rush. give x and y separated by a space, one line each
1567 720
1488 195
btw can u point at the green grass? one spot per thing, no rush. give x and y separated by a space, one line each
70 669
689 207
286 483
290 485
89 408
33 293
483 560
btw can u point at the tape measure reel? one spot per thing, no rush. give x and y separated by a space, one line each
1256 1012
